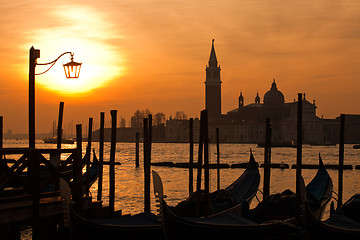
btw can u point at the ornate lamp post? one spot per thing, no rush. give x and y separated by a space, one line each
72 70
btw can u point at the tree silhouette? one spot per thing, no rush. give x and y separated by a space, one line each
139 115
159 119
180 115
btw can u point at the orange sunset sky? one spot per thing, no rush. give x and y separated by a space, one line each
139 54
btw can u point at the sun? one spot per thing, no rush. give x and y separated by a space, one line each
86 34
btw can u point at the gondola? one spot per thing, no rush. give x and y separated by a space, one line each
229 199
93 171
343 224
319 191
140 226
223 226
145 225
275 221
281 206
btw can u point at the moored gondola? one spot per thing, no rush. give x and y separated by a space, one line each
274 222
343 224
228 199
145 225
140 226
319 191
224 226
281 206
93 171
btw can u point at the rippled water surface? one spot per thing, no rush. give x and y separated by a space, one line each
129 180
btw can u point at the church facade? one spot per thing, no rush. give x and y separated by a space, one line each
246 123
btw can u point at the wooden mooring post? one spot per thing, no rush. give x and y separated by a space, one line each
218 157
88 160
191 156
147 163
112 162
199 168
206 163
59 127
1 131
150 135
341 160
267 159
2 161
299 157
55 157
34 174
1 141
101 155
77 171
200 156
137 151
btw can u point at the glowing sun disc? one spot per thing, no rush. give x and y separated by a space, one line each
87 38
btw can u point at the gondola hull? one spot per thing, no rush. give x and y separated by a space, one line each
180 228
321 230
344 223
282 206
141 226
224 200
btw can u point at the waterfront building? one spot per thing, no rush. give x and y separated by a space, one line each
246 123
177 130
213 87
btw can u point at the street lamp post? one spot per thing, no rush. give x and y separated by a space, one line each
34 54
72 70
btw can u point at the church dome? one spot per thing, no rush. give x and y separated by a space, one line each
274 96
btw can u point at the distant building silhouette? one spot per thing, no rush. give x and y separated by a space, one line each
213 87
282 115
246 124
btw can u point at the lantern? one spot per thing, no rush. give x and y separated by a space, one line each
72 69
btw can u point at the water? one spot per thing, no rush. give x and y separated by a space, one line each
129 180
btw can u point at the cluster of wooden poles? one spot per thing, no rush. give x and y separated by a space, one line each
203 154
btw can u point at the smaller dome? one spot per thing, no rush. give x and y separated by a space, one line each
274 96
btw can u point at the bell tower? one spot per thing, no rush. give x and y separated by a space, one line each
241 100
213 87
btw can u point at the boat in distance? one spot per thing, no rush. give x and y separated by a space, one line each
63 140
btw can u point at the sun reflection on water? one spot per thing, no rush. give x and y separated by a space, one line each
129 180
